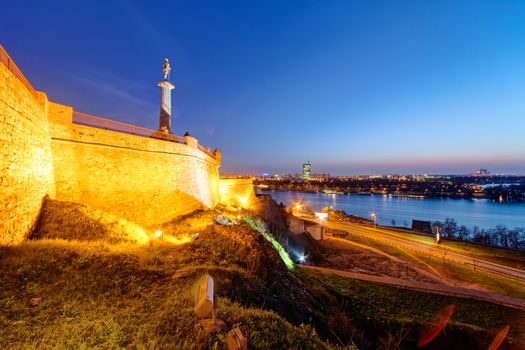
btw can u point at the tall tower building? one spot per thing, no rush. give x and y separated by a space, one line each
307 171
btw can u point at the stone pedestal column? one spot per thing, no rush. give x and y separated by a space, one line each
165 105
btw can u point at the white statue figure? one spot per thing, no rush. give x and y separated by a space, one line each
166 69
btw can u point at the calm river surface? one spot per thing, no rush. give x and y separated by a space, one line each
469 212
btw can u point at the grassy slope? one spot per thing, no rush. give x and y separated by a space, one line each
112 292
507 257
399 305
101 294
462 274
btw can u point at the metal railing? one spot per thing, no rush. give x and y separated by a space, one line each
235 176
205 149
10 64
94 121
113 125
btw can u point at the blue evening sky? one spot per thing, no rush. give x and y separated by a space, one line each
354 87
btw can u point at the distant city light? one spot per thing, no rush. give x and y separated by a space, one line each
158 233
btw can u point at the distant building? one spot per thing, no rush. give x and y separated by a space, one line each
307 171
480 172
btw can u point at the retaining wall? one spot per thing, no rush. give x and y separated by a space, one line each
42 152
26 168
237 191
142 179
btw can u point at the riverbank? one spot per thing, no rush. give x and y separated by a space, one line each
400 211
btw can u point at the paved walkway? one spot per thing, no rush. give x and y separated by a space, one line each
425 287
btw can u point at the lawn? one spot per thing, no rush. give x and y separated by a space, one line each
507 257
464 275
390 304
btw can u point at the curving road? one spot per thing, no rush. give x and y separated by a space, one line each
393 239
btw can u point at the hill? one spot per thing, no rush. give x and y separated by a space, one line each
82 282
85 281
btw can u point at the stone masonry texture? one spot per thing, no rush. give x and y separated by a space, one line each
145 180
26 167
237 191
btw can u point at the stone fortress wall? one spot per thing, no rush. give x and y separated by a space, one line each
26 171
143 179
237 191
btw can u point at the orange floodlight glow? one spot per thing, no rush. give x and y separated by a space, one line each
138 234
158 233
499 338
436 325
173 240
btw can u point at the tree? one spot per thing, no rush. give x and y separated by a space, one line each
501 236
521 239
450 227
474 232
463 233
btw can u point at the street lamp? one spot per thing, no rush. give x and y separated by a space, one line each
374 217
322 217
296 209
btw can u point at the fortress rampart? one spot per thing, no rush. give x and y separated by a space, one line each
143 178
26 170
238 191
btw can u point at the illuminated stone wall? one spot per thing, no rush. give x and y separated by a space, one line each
144 180
26 172
238 191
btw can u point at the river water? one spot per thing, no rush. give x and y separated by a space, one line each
469 212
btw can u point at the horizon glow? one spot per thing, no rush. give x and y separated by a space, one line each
433 87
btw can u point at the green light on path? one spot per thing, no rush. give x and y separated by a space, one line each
282 253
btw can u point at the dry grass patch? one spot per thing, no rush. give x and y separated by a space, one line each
91 287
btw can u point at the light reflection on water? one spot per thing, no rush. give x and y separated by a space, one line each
469 212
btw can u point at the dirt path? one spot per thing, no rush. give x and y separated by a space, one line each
339 243
383 236
442 277
426 287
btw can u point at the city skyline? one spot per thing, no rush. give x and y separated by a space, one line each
370 88
402 169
